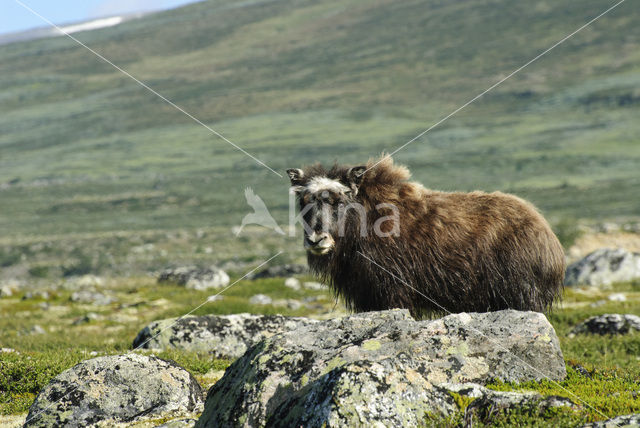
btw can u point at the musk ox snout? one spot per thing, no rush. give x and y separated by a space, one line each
318 243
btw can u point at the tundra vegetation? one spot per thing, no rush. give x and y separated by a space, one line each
99 176
602 370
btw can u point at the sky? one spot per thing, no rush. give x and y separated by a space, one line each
14 17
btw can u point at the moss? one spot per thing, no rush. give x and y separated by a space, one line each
462 401
304 380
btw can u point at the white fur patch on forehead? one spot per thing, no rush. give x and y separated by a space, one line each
319 184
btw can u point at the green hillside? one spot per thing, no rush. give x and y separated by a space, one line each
85 149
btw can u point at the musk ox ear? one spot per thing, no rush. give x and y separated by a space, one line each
295 175
354 177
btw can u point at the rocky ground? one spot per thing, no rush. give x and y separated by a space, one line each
119 350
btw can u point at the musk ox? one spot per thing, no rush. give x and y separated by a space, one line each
381 241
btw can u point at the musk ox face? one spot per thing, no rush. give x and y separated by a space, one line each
324 198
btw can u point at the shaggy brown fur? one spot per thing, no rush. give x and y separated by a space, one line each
456 252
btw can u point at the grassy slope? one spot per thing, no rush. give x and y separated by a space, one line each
86 149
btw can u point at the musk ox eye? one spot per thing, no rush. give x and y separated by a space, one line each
308 198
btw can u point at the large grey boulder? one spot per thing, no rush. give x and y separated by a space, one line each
608 324
115 389
195 278
604 267
626 421
223 336
379 367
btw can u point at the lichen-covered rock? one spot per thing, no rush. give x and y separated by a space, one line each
115 389
260 299
92 297
281 271
604 267
84 281
224 336
608 324
312 285
6 291
626 421
486 402
195 278
377 367
292 283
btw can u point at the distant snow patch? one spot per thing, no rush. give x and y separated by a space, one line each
92 25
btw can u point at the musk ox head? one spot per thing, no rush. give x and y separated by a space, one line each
326 200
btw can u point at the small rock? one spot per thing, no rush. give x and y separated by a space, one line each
314 286
608 324
292 283
215 298
145 248
131 305
223 336
281 271
618 297
260 299
91 316
195 278
608 227
584 372
6 291
43 306
36 329
626 421
36 295
87 281
115 389
292 304
92 297
604 267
